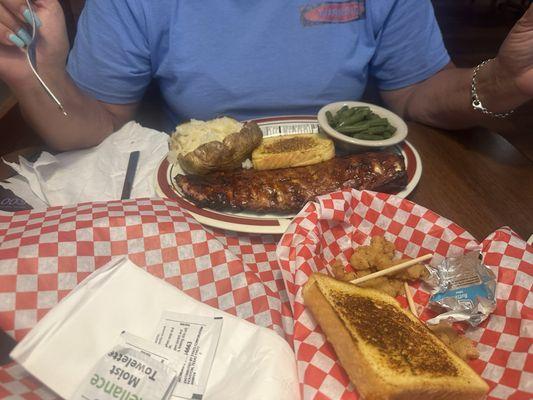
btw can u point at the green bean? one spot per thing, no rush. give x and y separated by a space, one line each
331 120
361 124
359 127
379 122
345 116
339 115
342 109
350 112
358 116
367 136
375 130
373 116
346 112
341 112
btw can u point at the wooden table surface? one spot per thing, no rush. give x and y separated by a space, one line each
475 178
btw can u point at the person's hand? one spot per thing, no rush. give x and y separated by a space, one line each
15 27
515 58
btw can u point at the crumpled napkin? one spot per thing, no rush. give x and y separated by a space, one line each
95 174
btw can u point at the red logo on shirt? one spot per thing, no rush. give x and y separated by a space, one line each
333 12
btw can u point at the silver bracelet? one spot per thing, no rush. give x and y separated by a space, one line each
476 102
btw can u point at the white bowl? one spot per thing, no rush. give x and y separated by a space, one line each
349 143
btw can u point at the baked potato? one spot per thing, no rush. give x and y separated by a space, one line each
227 151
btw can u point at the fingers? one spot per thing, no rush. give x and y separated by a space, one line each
15 23
527 19
16 8
9 27
20 10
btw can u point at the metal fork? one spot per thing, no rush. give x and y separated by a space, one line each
32 60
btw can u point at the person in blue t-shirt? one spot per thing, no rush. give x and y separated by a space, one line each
247 59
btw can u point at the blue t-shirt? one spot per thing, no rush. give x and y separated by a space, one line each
249 58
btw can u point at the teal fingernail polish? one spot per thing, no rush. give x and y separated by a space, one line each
16 40
27 17
25 36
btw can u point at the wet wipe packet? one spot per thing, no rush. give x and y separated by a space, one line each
195 338
135 369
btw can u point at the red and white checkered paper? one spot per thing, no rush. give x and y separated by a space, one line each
44 255
336 223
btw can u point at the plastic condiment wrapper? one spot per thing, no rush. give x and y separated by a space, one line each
464 287
135 369
195 338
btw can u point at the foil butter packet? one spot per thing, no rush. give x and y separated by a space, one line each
464 287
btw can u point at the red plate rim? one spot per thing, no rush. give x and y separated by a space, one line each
164 171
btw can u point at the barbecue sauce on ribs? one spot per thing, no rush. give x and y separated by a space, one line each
288 189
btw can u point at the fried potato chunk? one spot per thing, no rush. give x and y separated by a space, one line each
382 261
361 273
377 256
378 283
392 287
459 344
382 246
417 271
340 273
361 258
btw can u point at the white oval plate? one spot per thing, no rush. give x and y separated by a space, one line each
264 223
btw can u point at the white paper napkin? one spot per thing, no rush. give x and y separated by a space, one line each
251 362
95 174
19 186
